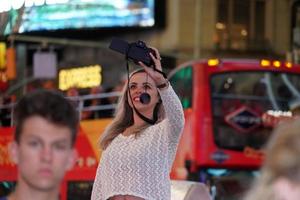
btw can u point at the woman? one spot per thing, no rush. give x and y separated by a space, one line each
137 156
280 174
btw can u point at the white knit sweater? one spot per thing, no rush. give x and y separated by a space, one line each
141 166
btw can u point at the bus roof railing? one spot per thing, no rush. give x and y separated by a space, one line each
80 107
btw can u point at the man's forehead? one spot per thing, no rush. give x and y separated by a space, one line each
49 138
41 128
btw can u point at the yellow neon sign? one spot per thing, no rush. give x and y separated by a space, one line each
83 77
2 55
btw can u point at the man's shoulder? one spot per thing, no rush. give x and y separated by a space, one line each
3 198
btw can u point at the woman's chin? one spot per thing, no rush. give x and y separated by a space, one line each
144 109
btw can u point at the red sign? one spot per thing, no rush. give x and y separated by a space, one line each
243 119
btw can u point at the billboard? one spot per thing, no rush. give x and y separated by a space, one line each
25 16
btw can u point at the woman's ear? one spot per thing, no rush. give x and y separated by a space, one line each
13 150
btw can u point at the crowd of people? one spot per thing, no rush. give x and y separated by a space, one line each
89 101
89 105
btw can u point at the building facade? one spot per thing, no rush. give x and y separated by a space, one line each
194 29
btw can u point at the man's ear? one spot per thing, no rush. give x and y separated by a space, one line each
13 150
72 159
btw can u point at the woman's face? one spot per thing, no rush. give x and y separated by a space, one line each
138 84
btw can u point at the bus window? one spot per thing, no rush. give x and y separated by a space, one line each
182 81
239 99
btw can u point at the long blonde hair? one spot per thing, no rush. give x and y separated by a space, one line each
124 117
282 160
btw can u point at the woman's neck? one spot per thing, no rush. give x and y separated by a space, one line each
138 121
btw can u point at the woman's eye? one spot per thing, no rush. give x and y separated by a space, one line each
147 87
132 87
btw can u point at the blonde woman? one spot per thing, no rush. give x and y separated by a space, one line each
137 155
280 174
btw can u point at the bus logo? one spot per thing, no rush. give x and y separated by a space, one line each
243 119
219 156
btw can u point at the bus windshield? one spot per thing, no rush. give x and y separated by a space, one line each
240 99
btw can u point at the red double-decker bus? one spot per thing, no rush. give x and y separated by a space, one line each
222 144
224 102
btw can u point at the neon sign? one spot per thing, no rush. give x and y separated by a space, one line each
17 4
82 77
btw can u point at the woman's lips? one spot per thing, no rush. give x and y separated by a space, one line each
137 99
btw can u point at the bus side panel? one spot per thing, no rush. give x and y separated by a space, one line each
202 121
185 153
8 170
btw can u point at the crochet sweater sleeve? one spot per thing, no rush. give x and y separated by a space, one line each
174 122
140 166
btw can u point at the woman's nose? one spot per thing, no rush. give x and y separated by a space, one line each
139 90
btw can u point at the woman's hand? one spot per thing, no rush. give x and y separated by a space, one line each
156 76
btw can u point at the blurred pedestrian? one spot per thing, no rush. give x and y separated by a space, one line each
279 178
5 110
73 95
139 145
43 147
93 114
294 106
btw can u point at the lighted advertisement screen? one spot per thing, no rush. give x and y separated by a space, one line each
51 15
80 77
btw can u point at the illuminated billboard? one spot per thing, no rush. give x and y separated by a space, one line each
27 16
80 77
